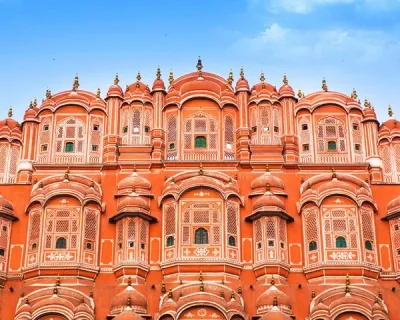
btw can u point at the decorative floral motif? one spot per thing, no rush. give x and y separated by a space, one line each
342 255
60 256
202 252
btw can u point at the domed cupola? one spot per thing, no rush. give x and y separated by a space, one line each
274 303
10 129
115 90
276 184
6 209
158 84
129 300
31 112
263 89
242 84
268 202
393 208
286 90
134 183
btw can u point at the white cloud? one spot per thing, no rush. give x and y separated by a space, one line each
291 44
302 6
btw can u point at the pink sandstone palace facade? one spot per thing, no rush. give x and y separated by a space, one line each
207 198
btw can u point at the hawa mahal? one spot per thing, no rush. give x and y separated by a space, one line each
207 198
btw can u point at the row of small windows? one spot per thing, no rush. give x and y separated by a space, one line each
201 237
69 147
95 127
305 127
271 243
199 142
265 129
331 146
131 244
340 243
135 129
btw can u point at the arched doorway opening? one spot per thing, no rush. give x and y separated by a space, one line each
351 316
202 313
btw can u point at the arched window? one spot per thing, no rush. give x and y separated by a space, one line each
312 246
201 142
341 242
232 241
170 241
89 246
331 137
61 243
201 236
368 245
69 147
200 137
2 252
229 138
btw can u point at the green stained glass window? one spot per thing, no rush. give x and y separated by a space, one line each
201 142
368 245
69 147
331 145
341 242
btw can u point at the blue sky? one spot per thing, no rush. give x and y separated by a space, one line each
352 43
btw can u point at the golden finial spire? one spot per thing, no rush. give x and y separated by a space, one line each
199 65
66 174
324 85
158 74
347 283
354 94
129 302
75 86
267 187
233 295
116 79
171 77
58 281
129 281
30 105
10 112
163 290
201 276
366 103
262 78
170 293
98 93
300 94
313 294
272 281
267 167
390 112
34 103
55 290
285 80
126 88
241 73
230 77
201 173
138 77
275 303
333 173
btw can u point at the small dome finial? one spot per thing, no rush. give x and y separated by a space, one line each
262 78
300 94
48 94
272 281
127 88
129 281
75 86
170 293
129 302
241 73
366 103
275 303
98 93
390 112
66 174
354 94
30 105
285 80
347 283
268 187
267 167
171 77
34 103
116 80
158 74
333 173
201 276
324 85
230 77
199 65
138 77
10 114
55 290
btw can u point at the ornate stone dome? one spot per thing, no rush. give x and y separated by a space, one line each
273 296
158 84
134 183
286 89
242 84
129 298
267 178
128 315
133 202
275 314
268 200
